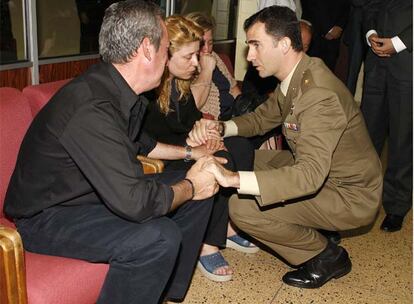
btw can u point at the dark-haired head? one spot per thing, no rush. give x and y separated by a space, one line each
279 21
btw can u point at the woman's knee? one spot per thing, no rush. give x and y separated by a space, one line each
242 152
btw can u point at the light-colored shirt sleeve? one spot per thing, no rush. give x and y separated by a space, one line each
399 46
230 128
369 33
248 183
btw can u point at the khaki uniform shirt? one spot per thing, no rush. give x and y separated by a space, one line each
326 134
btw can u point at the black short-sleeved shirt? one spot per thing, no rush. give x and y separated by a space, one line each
81 149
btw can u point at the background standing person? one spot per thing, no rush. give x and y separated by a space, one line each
78 190
328 19
330 178
387 101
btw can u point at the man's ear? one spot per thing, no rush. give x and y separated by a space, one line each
286 44
147 47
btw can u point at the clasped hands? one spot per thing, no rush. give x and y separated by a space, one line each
207 174
382 47
205 138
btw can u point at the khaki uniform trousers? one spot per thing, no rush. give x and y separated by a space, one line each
290 229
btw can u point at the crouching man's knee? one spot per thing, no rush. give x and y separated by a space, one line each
242 211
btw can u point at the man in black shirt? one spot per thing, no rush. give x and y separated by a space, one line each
78 190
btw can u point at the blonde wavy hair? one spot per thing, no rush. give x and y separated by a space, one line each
180 32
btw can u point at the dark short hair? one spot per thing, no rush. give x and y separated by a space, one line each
279 21
125 25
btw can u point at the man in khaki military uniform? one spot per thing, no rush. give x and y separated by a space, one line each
331 177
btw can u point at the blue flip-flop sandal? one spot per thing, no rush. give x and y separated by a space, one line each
207 264
238 243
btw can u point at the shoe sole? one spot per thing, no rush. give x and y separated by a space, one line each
340 273
212 276
233 245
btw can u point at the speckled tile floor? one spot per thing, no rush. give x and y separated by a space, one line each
381 274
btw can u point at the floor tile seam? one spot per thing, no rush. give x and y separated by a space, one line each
276 294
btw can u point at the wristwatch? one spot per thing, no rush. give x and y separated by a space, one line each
188 153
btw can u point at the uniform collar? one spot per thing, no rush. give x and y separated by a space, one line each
293 84
284 85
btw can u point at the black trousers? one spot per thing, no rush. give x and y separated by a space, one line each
216 232
240 157
387 106
148 261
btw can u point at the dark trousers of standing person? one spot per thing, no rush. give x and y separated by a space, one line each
357 47
387 106
146 259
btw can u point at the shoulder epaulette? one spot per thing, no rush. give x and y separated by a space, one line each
307 81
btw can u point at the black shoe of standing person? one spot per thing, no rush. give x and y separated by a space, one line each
332 236
392 223
333 262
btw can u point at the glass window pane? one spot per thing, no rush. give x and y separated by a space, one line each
162 4
69 27
12 29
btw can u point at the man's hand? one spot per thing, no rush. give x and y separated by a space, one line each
203 130
224 177
372 38
334 33
383 47
214 145
205 185
204 150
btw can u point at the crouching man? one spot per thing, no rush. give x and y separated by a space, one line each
329 180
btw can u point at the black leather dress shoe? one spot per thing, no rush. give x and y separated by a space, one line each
333 262
392 223
332 236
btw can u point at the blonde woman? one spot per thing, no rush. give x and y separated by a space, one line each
171 118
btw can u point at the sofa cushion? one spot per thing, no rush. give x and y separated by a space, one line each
38 95
15 118
66 281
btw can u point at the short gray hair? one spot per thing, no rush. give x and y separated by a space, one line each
125 25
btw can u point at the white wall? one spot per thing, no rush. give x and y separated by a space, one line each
246 9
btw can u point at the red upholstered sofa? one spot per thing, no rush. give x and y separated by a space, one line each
28 277
36 278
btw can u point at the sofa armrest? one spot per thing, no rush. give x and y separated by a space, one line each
12 267
151 165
